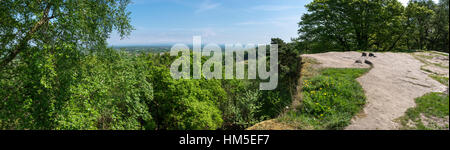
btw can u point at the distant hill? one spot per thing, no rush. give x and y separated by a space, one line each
145 49
156 48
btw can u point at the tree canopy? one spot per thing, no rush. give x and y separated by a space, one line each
82 24
380 25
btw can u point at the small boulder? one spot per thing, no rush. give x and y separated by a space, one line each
358 62
368 62
364 54
372 55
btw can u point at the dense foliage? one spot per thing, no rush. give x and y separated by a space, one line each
144 49
71 91
85 25
289 65
378 25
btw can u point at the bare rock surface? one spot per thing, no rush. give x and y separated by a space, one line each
395 80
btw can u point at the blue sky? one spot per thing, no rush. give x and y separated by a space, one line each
217 21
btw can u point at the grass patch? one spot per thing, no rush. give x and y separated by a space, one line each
425 56
441 79
440 65
439 53
435 76
431 113
424 59
330 100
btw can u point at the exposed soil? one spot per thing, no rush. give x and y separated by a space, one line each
339 59
271 125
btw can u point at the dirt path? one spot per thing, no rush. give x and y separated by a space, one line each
390 87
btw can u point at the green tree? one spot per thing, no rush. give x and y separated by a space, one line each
419 14
427 25
274 102
440 23
85 24
110 90
49 78
352 25
185 104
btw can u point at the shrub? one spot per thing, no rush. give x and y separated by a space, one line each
330 100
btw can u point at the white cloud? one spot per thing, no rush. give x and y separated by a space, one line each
207 5
280 22
275 7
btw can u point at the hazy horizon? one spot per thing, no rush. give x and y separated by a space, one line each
165 22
